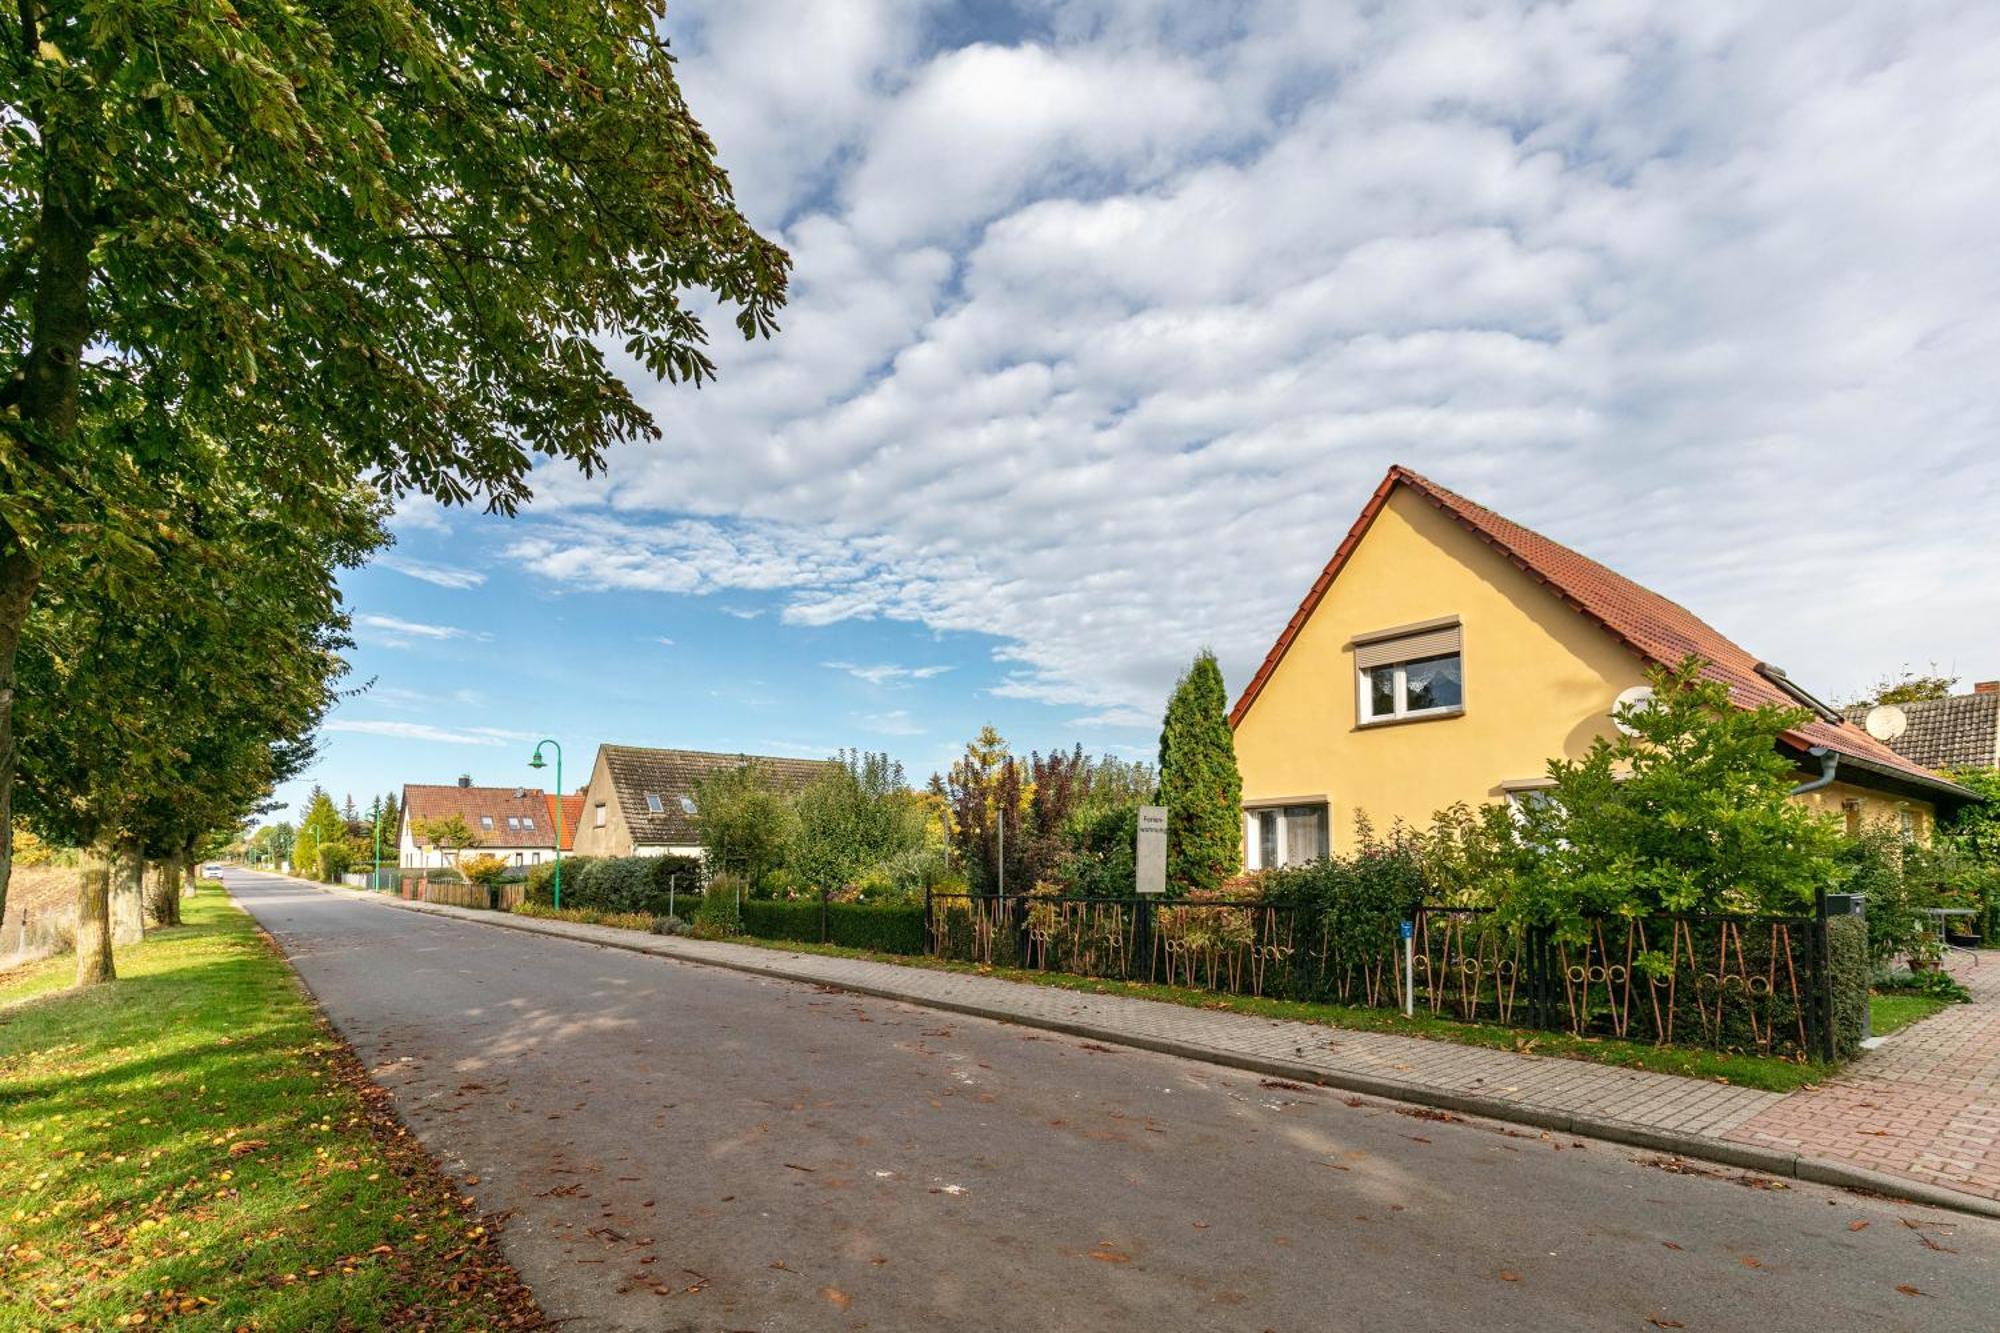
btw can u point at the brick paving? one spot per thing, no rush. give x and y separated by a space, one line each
1924 1107
1925 1104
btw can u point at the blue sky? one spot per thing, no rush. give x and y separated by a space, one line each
1107 317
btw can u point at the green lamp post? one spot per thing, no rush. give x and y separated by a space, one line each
539 762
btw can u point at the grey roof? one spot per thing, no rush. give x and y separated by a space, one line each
1962 731
671 774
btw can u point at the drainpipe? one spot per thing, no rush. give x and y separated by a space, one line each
1829 764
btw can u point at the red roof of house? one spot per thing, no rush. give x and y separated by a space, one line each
572 810
485 811
1658 631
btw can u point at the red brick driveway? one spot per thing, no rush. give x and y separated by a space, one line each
1925 1104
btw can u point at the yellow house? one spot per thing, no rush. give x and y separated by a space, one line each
1446 654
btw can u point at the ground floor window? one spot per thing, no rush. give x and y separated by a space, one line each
1285 835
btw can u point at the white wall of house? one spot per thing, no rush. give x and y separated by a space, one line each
657 849
412 857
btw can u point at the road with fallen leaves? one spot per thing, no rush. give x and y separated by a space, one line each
679 1146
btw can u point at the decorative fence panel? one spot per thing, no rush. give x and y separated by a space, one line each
1726 982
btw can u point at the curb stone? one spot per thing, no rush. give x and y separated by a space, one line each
1631 1134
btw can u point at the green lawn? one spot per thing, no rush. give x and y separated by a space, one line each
1750 1071
1886 1013
192 1144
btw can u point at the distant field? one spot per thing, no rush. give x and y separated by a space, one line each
38 888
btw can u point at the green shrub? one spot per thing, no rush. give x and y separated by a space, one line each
715 915
1849 968
443 875
883 927
585 916
334 861
626 884
1938 985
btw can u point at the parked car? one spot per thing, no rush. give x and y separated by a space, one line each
213 870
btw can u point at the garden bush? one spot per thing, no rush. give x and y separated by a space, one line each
334 861
443 875
636 884
882 927
484 869
1850 969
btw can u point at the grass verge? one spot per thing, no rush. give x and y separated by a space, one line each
1886 1013
194 1144
1751 1071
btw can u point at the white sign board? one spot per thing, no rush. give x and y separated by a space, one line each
1152 850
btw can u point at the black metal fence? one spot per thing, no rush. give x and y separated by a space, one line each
1758 984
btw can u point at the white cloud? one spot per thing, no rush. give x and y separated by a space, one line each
397 632
443 576
886 673
416 731
1100 340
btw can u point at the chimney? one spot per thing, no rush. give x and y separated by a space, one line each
465 779
1987 687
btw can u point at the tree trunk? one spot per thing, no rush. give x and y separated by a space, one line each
93 927
165 900
188 880
128 893
46 390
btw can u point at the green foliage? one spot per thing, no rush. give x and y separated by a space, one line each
1907 687
540 884
585 916
1890 870
1199 782
1933 983
442 875
335 860
856 815
1692 813
746 822
1356 903
1849 971
715 913
884 928
448 833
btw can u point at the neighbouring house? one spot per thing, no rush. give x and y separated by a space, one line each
1446 655
632 804
567 817
516 824
1958 731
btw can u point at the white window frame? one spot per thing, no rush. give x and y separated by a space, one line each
600 815
513 823
655 803
486 823
1364 696
528 823
1253 844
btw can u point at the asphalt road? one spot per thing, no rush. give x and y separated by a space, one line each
687 1147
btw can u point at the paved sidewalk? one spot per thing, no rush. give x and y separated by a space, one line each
1661 1112
1925 1104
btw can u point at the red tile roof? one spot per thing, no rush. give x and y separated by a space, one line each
572 810
1656 630
428 801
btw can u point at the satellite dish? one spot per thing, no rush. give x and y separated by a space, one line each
1885 722
1639 698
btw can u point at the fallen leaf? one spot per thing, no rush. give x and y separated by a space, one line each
1661 1321
1670 1245
1105 1254
1509 1275
1748 1262
1858 1224
839 1299
1909 1290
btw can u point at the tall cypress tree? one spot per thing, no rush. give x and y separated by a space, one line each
1199 783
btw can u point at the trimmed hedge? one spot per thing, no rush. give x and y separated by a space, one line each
884 928
1848 964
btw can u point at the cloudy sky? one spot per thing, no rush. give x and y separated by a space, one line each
1108 316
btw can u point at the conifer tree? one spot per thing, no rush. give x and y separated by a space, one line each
1199 783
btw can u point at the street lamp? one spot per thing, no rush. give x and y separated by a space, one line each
693 811
539 762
